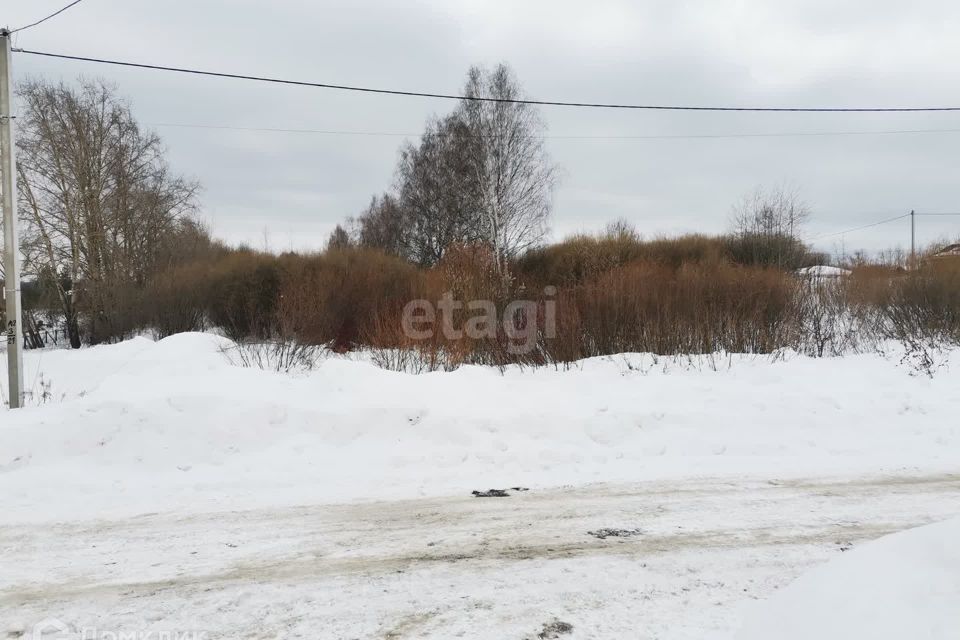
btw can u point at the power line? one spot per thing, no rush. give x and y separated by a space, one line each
445 96
866 226
878 223
42 20
706 136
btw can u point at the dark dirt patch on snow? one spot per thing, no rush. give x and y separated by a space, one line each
603 534
498 493
555 629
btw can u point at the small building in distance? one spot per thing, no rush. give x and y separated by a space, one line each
946 259
949 254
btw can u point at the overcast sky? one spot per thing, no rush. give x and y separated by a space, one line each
296 187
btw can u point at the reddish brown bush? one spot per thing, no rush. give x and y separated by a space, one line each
176 300
337 297
694 309
614 293
584 258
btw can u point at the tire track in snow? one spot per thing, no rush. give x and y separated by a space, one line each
385 537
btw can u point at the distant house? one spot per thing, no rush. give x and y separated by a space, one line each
948 255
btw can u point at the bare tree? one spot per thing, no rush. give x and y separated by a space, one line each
438 190
383 226
478 175
768 223
98 200
621 229
339 239
513 173
770 212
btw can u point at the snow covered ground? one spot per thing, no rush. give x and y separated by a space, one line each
823 271
905 585
161 488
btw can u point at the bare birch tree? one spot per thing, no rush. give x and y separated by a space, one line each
514 175
478 175
97 198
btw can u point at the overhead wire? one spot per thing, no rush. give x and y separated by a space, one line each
581 104
860 228
704 136
472 98
42 20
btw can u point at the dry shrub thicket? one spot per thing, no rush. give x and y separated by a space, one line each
687 295
613 294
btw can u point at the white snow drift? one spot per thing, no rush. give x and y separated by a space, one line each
172 426
905 585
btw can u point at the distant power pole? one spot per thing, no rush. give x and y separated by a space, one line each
11 243
913 239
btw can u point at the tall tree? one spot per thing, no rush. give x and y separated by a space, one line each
771 212
339 239
768 225
514 176
478 175
438 191
98 199
384 226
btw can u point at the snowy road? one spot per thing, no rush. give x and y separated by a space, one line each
457 566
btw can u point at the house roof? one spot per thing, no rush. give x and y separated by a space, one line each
950 251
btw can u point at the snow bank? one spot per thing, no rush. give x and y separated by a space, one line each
823 271
172 426
906 585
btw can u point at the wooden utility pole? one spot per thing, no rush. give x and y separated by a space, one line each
11 243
